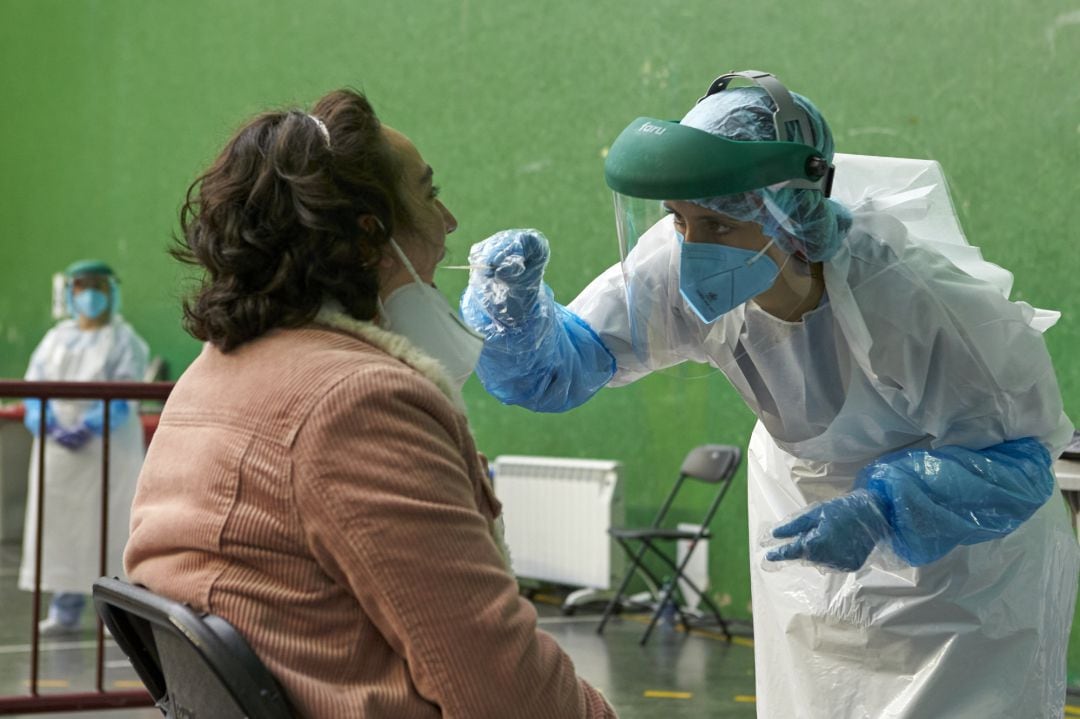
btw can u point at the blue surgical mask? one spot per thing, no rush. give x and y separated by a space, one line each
90 303
714 279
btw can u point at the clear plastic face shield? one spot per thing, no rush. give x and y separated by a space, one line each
89 289
655 163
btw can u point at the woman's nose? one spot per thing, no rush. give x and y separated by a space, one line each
448 218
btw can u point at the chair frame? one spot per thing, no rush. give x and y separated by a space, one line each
131 612
698 468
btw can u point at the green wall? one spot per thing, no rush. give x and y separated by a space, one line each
110 109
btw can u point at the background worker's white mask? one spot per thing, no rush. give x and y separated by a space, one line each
421 313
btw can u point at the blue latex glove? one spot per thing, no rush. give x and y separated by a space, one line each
73 438
94 419
938 499
507 271
537 353
839 533
926 502
32 416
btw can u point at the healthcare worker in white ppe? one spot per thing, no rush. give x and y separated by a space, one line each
905 559
94 345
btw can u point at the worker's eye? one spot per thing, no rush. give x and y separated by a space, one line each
676 217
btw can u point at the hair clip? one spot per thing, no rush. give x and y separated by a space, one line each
322 129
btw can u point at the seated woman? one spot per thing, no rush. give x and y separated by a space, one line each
313 479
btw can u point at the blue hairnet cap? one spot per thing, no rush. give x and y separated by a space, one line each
88 267
801 221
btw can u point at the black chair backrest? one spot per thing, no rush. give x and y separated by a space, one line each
194 665
711 462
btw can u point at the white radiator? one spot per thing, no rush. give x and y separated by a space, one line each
557 512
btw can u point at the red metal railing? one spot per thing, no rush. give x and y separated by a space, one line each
35 702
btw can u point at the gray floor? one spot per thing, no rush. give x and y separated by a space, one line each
675 676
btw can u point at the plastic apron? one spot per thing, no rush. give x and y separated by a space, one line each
982 632
71 536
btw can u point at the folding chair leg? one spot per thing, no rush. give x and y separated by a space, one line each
719 618
680 576
617 597
613 604
664 599
710 604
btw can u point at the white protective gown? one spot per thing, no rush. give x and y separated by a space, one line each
908 350
71 538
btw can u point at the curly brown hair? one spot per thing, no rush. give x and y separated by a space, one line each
275 221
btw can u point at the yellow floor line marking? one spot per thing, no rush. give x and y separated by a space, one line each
745 699
128 684
657 694
50 683
547 599
1071 711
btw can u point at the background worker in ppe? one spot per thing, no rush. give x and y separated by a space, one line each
94 345
908 412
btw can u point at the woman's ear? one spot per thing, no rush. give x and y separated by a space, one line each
369 223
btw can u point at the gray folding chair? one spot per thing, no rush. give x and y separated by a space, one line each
710 463
194 665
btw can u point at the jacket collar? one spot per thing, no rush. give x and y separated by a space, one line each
393 344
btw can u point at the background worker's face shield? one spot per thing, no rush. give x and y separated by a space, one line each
85 277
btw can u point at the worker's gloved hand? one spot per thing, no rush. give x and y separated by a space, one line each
839 533
537 353
507 270
32 416
70 438
94 418
942 498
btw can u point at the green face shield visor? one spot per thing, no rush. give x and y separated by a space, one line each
663 160
654 160
88 267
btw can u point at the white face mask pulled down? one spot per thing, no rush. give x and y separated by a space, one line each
421 313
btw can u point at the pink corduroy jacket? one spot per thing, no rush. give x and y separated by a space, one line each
319 489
